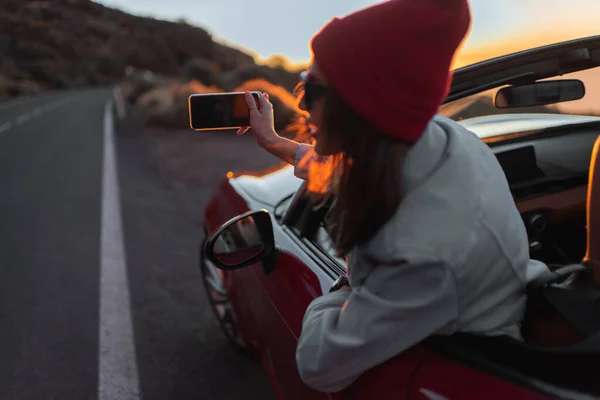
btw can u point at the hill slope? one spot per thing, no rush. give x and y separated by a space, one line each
56 44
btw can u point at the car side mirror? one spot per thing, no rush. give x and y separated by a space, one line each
242 241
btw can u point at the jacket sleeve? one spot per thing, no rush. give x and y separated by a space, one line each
346 333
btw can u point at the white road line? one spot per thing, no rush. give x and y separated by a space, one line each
6 126
23 118
118 374
20 100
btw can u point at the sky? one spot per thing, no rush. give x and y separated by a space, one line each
285 27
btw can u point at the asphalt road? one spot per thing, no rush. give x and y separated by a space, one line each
78 262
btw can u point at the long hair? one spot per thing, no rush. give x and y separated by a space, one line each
366 175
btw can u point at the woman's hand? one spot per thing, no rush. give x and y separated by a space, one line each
263 127
261 119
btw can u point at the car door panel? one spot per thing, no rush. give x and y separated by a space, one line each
240 285
392 379
291 287
227 204
287 291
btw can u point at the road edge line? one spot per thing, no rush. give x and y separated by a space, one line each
118 376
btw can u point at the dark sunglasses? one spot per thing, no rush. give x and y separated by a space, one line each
312 91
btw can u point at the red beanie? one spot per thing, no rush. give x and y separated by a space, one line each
390 62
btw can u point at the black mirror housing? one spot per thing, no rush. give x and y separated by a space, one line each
242 241
539 93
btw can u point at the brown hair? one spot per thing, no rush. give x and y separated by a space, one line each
366 178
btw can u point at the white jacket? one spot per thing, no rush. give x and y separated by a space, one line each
453 258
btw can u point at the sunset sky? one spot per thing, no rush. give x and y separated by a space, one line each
286 26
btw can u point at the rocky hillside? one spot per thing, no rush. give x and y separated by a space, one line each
57 44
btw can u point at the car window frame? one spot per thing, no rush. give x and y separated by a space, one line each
297 221
288 198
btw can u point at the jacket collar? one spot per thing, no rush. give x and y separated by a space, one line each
426 155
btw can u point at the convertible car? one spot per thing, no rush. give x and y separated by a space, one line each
267 253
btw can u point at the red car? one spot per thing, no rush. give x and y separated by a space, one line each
267 254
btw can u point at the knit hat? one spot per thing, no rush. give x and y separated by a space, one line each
391 62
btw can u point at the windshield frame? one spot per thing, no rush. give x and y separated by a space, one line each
525 66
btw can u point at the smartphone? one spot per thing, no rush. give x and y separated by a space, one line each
219 111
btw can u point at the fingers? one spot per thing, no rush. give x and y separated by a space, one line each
264 101
250 102
242 130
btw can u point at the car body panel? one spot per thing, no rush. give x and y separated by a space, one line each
278 301
260 184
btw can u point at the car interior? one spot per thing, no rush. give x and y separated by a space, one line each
548 176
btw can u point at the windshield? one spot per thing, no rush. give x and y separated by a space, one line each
481 104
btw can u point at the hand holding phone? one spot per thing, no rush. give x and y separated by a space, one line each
262 122
220 111
261 119
210 112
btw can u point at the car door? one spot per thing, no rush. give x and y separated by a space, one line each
279 298
305 268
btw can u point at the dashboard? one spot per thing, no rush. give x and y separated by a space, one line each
519 164
548 176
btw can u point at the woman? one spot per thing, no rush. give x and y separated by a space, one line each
423 211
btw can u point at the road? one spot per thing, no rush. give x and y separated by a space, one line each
100 296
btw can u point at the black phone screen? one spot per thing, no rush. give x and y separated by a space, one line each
218 111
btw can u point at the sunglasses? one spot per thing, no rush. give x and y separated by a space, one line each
312 91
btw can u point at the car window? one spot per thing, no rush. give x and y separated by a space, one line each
306 223
324 242
310 224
